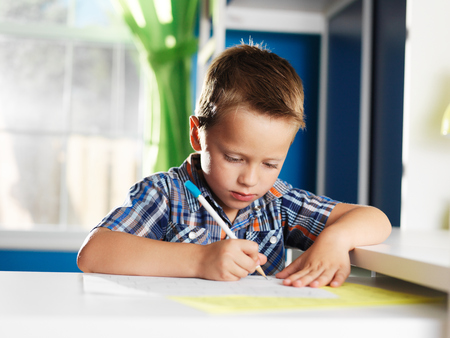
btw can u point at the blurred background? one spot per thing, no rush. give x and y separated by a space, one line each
95 95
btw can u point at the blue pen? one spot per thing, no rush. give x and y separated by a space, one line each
196 192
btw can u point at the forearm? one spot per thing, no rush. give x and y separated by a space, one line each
354 225
113 252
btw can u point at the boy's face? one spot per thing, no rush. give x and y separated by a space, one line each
242 155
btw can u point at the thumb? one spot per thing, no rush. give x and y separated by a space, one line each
262 259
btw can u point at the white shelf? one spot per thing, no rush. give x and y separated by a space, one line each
421 257
274 20
42 240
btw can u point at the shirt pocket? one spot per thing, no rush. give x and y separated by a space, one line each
183 233
272 246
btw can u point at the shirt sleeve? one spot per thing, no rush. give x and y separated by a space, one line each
144 212
304 216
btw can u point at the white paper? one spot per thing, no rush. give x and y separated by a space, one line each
166 286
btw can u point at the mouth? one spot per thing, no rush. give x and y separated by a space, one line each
242 197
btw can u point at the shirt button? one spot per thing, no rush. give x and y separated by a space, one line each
257 208
273 239
192 235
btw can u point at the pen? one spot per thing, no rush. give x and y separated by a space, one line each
196 192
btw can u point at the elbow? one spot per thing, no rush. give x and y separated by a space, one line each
84 261
386 224
87 254
91 257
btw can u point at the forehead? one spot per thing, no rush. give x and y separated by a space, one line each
246 131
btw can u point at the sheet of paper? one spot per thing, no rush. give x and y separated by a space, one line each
348 295
255 286
112 285
250 294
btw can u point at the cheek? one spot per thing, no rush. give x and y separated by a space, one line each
216 170
270 178
205 161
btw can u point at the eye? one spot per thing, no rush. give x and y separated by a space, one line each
271 165
232 159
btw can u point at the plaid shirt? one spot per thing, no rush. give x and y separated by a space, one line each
160 207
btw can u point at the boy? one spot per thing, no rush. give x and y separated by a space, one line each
250 109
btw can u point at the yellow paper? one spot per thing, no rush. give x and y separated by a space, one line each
349 295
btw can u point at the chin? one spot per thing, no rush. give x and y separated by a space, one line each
240 205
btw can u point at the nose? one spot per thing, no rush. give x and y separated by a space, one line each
249 176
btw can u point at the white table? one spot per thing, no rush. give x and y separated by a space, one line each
56 305
417 256
421 257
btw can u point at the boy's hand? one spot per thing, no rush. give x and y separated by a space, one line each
230 260
318 266
327 261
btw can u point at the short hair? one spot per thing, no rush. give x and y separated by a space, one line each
253 77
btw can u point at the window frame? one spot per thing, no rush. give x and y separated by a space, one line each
119 39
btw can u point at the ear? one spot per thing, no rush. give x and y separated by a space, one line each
194 133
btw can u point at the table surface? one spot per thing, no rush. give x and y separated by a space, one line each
57 305
421 257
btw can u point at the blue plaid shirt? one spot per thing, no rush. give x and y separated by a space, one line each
160 207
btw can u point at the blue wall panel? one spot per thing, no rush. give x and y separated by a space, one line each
303 52
387 106
46 261
343 104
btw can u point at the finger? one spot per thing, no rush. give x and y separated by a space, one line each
296 276
247 263
305 280
305 276
250 248
246 256
324 279
238 272
231 262
339 278
231 271
327 277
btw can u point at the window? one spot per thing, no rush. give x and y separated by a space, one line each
71 113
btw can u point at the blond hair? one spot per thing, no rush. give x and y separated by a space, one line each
253 77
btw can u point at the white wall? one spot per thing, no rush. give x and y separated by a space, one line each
426 154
